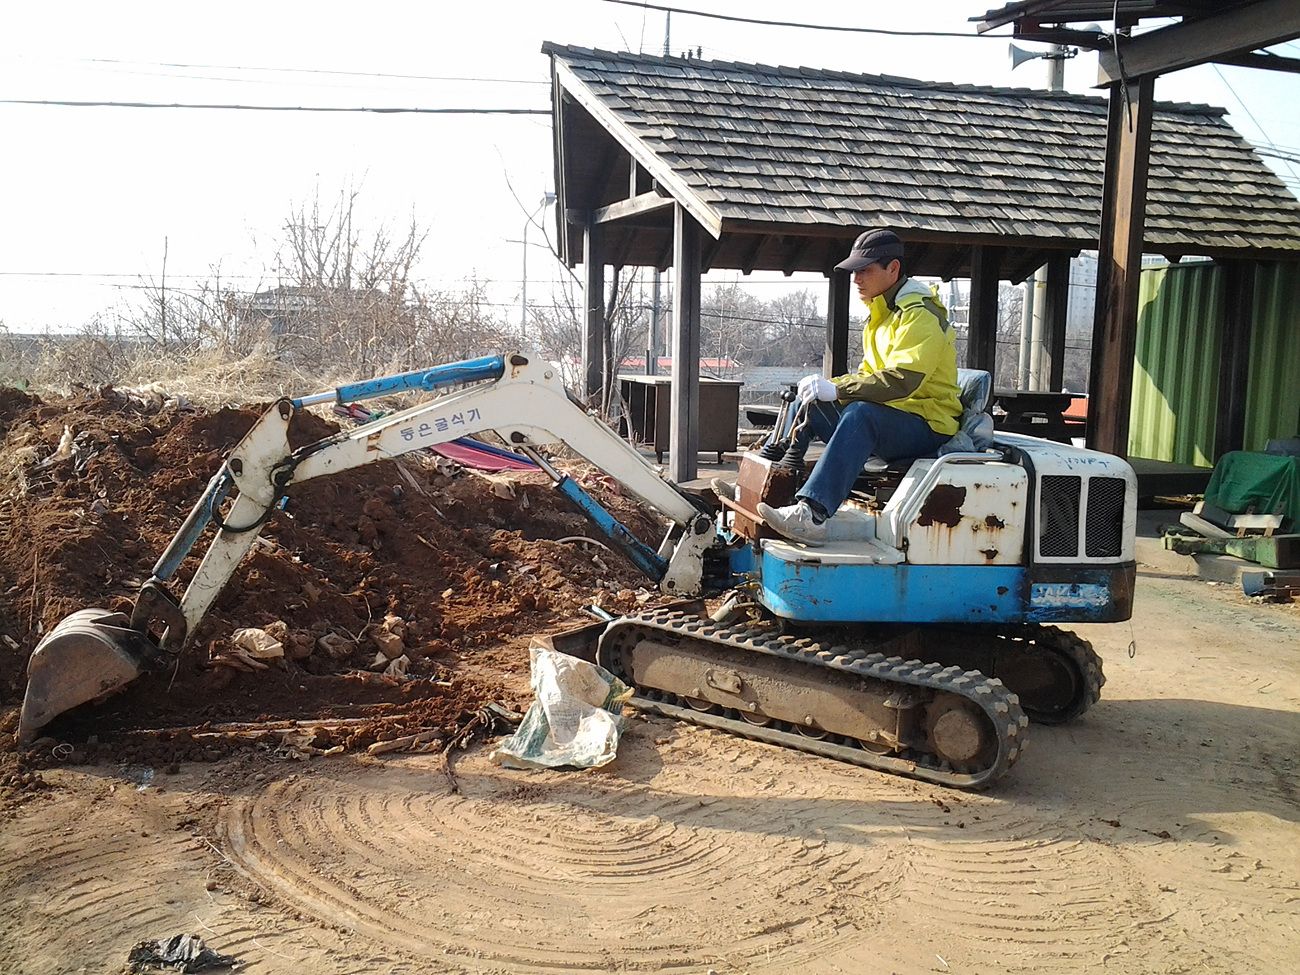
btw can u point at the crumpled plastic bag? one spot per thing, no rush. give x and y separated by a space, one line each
576 719
179 953
257 643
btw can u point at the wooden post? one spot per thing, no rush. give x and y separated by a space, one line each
1119 265
593 287
835 357
684 423
982 331
1234 359
1058 303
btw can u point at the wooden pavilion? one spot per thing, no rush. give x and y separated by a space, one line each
694 165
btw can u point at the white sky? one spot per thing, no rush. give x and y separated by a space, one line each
90 194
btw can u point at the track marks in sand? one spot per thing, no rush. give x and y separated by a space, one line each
572 877
81 890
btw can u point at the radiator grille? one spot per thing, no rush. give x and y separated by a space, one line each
1104 529
1058 515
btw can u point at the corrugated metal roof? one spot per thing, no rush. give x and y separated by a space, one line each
792 145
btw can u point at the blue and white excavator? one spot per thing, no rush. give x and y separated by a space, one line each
918 640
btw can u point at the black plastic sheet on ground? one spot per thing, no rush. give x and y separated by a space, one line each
179 953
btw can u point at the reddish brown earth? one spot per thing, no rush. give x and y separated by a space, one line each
470 575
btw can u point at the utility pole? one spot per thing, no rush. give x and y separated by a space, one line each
652 355
1033 314
547 199
652 350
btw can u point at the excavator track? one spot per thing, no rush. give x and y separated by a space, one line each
1055 673
925 720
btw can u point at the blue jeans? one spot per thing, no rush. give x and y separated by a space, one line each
854 433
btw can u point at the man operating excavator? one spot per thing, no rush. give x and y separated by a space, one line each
903 401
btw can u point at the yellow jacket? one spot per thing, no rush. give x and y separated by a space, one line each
909 357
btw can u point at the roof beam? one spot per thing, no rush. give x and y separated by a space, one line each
618 255
707 217
709 254
1262 59
1050 11
750 260
957 259
1192 42
637 206
916 253
1119 267
796 256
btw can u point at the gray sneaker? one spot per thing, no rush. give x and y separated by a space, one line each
725 489
795 522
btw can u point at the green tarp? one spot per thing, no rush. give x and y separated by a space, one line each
1263 483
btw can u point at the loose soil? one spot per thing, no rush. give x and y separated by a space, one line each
462 568
1159 833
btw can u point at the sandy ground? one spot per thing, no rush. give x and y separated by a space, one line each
1157 834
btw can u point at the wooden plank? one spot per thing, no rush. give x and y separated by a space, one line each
1119 266
982 330
684 419
835 357
1234 356
1199 525
637 206
1238 31
593 286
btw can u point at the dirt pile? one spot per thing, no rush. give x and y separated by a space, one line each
412 565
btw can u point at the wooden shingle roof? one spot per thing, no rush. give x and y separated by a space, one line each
809 157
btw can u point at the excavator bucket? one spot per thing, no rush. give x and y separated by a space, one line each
86 657
580 641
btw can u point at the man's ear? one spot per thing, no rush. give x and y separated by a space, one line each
895 268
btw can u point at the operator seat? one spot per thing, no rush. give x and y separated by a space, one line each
974 433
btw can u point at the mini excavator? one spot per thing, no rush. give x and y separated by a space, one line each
919 640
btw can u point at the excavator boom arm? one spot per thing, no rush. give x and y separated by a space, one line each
519 396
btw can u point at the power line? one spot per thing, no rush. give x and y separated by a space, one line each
1289 162
322 71
787 23
118 274
278 108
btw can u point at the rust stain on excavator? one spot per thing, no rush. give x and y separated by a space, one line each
994 522
943 506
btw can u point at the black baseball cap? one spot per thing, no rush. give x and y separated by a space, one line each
872 247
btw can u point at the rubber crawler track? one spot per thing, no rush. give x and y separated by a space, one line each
1000 707
1003 646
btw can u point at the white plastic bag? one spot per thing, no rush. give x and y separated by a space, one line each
576 719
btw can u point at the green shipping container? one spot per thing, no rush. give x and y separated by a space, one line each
1176 373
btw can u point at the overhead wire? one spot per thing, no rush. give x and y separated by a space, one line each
1290 162
70 103
315 71
731 18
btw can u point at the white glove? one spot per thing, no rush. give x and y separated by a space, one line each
817 388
